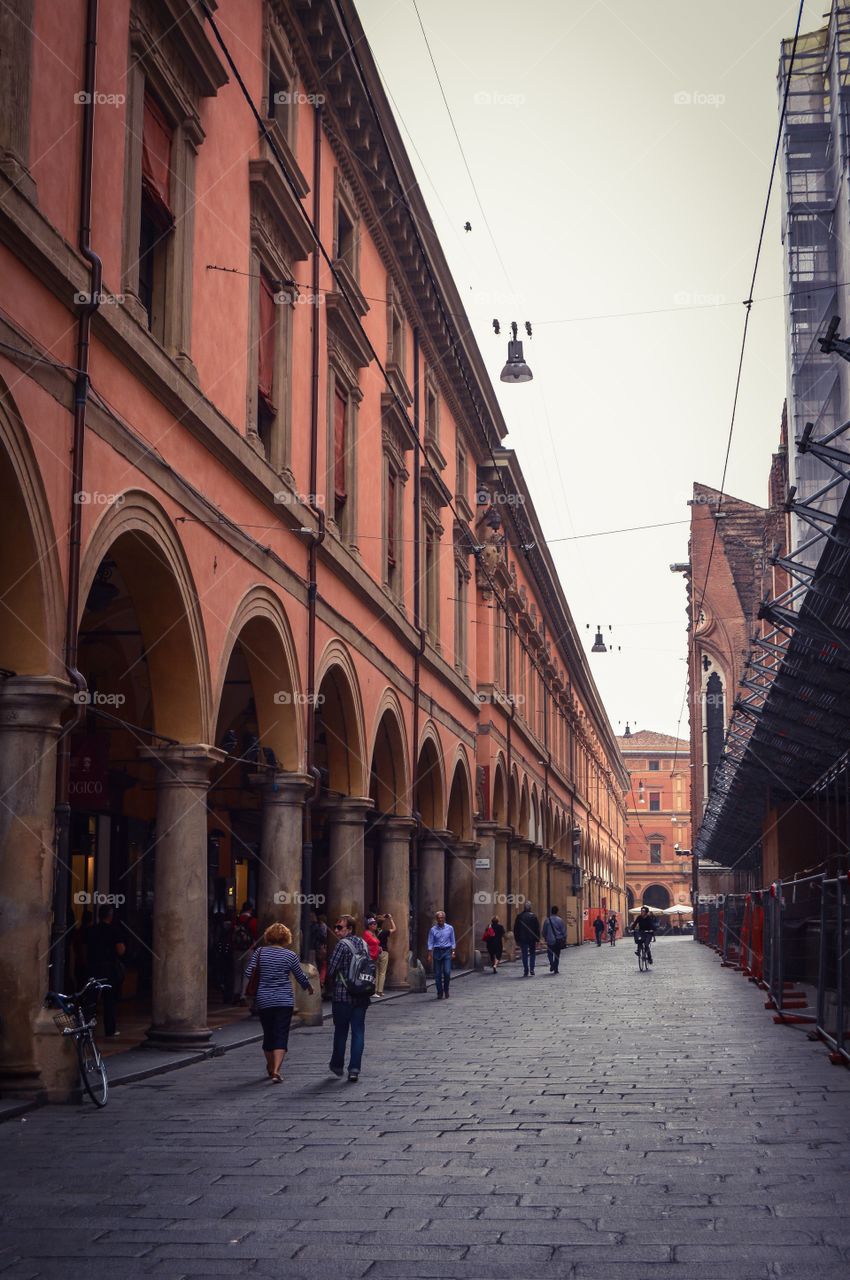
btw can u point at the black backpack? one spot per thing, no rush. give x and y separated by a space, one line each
360 979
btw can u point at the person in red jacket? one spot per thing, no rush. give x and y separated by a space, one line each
370 937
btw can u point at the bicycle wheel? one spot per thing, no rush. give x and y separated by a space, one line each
92 1070
643 963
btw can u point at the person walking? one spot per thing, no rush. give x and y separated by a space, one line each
319 943
492 939
598 929
555 937
441 952
348 1009
104 948
386 928
612 928
527 936
275 964
244 937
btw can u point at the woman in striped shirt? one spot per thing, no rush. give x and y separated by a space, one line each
275 998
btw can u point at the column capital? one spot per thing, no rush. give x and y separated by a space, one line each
465 848
347 810
431 838
486 829
396 824
522 844
34 702
183 764
281 788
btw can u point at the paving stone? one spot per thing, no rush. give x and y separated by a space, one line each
536 1138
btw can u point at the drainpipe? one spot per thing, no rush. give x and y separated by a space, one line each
509 754
546 766
420 649
316 540
81 394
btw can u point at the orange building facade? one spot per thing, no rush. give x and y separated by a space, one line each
277 620
658 823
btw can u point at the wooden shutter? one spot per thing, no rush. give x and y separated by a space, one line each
157 137
267 342
340 434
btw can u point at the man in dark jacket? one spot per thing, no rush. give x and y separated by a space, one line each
598 929
105 947
527 935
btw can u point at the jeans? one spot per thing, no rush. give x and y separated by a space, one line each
554 954
345 1016
442 968
529 954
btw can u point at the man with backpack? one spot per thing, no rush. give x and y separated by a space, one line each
353 974
555 937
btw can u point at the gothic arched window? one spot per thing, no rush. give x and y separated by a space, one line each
714 723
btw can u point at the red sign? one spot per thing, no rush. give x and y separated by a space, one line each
89 789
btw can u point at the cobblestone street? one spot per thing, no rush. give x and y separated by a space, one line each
517 1130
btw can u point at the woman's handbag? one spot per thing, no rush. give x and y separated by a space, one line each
254 981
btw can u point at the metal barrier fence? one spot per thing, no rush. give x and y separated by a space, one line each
793 940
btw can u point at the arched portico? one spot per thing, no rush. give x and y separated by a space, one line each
387 853
34 698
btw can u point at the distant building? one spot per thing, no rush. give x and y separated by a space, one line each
737 540
658 821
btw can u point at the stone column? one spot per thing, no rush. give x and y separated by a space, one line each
30 707
487 889
520 849
280 886
395 833
500 866
180 896
536 881
461 888
346 825
433 847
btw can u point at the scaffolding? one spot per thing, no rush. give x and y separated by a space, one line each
816 172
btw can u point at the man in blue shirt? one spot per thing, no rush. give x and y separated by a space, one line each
441 952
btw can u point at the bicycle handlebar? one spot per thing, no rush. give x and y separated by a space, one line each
98 984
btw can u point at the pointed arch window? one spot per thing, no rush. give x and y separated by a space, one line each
715 723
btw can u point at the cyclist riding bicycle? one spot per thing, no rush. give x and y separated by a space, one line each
645 926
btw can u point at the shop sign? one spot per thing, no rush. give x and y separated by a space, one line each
88 788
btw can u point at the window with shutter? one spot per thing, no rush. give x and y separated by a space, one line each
340 447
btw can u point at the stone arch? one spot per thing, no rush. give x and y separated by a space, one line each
514 800
260 627
430 798
390 763
535 817
459 816
340 730
524 825
31 592
138 537
499 809
657 896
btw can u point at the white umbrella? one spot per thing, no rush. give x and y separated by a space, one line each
634 911
678 911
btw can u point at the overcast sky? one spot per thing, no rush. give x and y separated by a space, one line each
621 151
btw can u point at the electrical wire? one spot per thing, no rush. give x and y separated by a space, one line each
748 303
460 147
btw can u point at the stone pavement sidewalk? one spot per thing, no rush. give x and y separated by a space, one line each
599 1123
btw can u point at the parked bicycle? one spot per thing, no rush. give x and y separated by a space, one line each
77 1017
